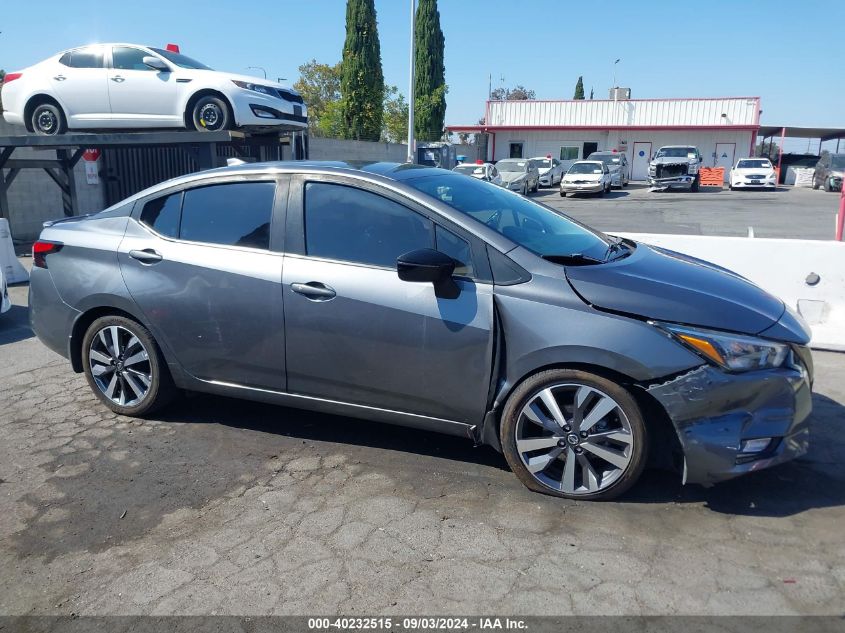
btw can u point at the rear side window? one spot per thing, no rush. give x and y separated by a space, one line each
83 58
236 214
353 225
162 215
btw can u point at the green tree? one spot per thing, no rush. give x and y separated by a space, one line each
319 85
520 93
430 79
579 89
395 116
361 77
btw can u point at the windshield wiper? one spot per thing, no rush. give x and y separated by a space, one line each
617 246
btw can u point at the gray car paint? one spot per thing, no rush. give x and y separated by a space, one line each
439 364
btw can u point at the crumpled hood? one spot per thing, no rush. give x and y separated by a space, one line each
667 286
672 160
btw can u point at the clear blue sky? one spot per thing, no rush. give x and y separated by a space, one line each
788 53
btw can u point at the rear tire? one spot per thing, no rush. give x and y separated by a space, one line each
125 368
48 119
617 432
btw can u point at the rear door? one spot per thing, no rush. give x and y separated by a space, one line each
355 332
205 267
79 81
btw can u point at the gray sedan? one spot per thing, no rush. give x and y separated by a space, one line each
419 297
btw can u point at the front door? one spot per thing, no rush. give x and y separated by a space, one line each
140 96
589 148
80 82
201 268
356 333
725 153
640 160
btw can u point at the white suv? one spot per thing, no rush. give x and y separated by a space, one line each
123 86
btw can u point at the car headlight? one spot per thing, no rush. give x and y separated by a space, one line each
246 85
730 351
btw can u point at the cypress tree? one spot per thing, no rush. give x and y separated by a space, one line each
430 81
361 79
579 89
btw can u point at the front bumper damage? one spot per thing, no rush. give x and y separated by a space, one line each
679 182
715 413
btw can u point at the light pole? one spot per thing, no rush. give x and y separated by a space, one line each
411 82
258 68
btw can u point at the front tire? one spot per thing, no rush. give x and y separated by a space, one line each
48 119
562 194
211 114
573 434
125 368
695 184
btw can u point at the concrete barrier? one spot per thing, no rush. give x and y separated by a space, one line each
808 275
12 269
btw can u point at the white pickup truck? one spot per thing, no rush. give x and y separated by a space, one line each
675 167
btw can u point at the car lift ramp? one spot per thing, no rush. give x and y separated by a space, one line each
202 146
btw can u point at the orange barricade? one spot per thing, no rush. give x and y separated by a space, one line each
712 176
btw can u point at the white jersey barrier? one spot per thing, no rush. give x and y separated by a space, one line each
12 269
808 275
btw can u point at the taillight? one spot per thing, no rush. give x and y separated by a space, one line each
11 77
41 249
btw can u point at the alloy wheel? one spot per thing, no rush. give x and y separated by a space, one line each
574 438
120 365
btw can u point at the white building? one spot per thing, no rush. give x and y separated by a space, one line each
723 129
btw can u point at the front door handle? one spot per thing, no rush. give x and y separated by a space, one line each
59 77
314 290
146 256
118 79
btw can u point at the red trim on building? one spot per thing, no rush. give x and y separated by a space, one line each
606 128
757 99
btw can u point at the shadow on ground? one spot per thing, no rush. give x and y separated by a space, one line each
14 325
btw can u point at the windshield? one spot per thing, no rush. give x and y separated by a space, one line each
531 225
511 165
676 152
541 163
469 169
183 61
585 168
838 161
607 159
754 164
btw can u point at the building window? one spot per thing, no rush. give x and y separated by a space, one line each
516 150
569 152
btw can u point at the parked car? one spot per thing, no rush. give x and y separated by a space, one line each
617 164
119 86
829 172
752 172
420 297
5 302
675 167
481 171
550 170
519 174
586 176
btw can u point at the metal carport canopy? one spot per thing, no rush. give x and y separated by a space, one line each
789 131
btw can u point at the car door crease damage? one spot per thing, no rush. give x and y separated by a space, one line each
424 298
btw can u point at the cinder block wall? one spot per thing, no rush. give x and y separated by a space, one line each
339 149
34 197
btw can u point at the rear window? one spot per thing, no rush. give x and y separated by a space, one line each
162 215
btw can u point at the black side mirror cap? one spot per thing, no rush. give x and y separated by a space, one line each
428 265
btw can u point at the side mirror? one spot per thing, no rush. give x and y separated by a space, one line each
156 64
428 265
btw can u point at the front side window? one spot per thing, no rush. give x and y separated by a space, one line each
352 225
457 248
125 58
90 57
233 214
533 226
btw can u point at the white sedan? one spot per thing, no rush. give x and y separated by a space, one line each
586 176
753 172
481 171
127 86
551 170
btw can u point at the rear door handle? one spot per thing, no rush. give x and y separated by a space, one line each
146 256
118 79
314 290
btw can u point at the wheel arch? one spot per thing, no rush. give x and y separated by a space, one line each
665 449
36 100
203 92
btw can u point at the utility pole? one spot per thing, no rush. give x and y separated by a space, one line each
411 76
258 68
